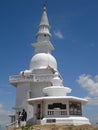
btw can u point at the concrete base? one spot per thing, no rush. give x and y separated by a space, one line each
66 121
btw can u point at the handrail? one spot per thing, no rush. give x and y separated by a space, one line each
31 77
12 125
57 112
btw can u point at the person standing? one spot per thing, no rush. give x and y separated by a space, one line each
19 118
24 117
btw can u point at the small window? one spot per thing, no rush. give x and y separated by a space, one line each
44 35
57 105
51 120
30 94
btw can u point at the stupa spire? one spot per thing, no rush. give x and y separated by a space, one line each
44 19
44 27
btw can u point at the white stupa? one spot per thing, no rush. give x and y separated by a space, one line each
40 90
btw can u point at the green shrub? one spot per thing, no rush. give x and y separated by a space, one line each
27 127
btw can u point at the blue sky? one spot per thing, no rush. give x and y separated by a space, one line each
74 29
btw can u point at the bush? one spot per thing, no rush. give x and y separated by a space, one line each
27 127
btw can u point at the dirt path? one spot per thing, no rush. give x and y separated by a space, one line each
60 127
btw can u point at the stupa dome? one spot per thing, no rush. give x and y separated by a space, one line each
42 60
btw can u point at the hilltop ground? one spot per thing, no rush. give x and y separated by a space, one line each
60 127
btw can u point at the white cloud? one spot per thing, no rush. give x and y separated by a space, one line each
4 119
1 105
92 100
58 34
91 85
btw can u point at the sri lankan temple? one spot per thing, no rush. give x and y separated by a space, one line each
40 90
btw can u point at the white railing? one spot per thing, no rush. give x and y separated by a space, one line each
57 112
12 125
30 78
15 125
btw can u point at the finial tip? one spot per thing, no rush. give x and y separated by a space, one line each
45 2
44 7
